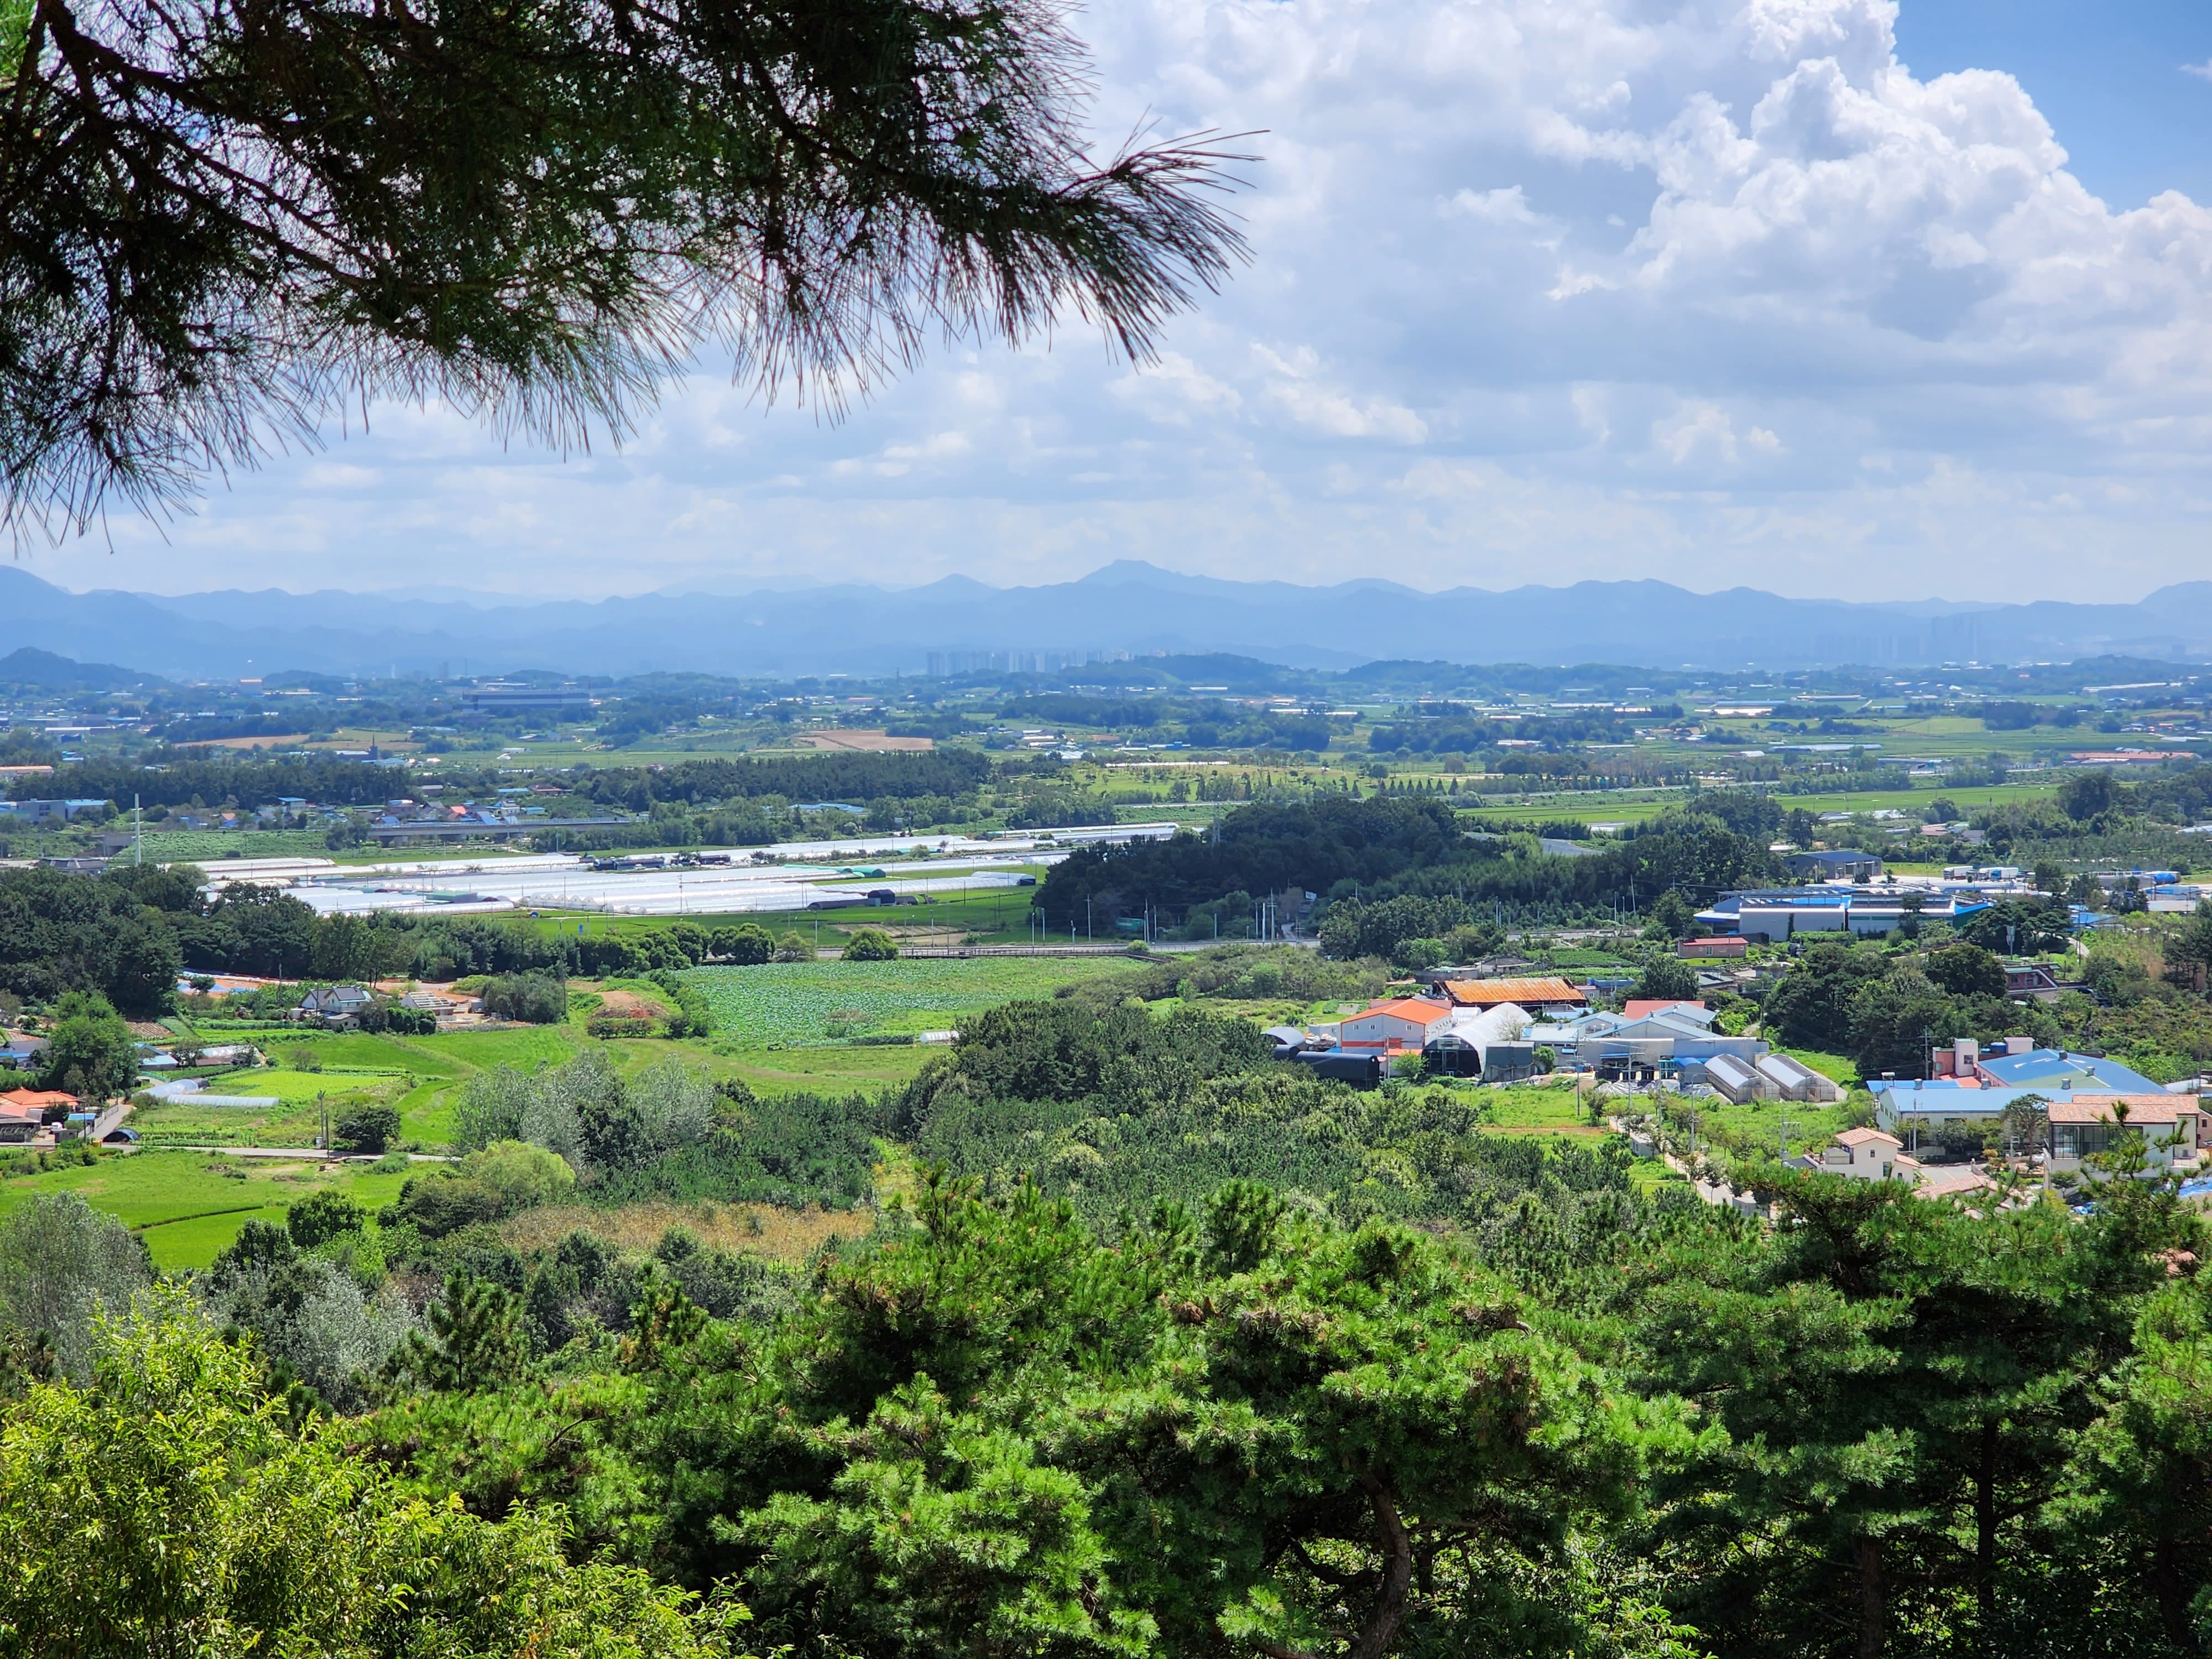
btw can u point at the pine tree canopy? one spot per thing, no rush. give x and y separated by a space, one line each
222 221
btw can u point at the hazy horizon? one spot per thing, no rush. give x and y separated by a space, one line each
1835 299
502 598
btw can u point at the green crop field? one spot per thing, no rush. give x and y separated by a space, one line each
1768 1121
1589 805
188 1205
840 1069
292 1087
991 915
286 1123
1553 1110
358 1051
213 845
796 1003
524 1047
419 1075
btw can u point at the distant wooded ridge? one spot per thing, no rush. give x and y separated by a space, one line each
1127 609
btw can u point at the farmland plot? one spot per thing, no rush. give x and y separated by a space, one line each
796 1003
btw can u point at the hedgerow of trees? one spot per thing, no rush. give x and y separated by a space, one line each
129 935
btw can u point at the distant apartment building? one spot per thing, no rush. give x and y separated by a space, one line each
504 696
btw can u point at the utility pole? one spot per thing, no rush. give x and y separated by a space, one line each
137 833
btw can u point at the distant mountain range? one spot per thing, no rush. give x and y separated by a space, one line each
1131 607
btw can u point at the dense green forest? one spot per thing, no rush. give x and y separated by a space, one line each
825 777
1352 851
184 777
1167 1348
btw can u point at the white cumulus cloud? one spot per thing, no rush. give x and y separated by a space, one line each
1540 289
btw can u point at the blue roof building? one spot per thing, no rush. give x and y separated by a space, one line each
2053 1074
1777 915
2047 1069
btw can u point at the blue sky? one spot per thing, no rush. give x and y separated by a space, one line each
2106 74
1829 297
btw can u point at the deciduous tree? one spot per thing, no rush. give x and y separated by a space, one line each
1666 979
220 1528
62 1265
1966 970
90 1052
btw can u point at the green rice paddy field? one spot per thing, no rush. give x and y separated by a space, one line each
188 1205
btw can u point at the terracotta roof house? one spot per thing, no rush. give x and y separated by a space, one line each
2087 1125
1392 1027
24 1113
45 1100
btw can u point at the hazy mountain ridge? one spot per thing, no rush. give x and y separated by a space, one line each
28 667
1127 606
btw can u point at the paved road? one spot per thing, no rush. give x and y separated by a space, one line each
1099 948
313 1153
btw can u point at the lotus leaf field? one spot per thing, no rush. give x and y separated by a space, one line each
800 1003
